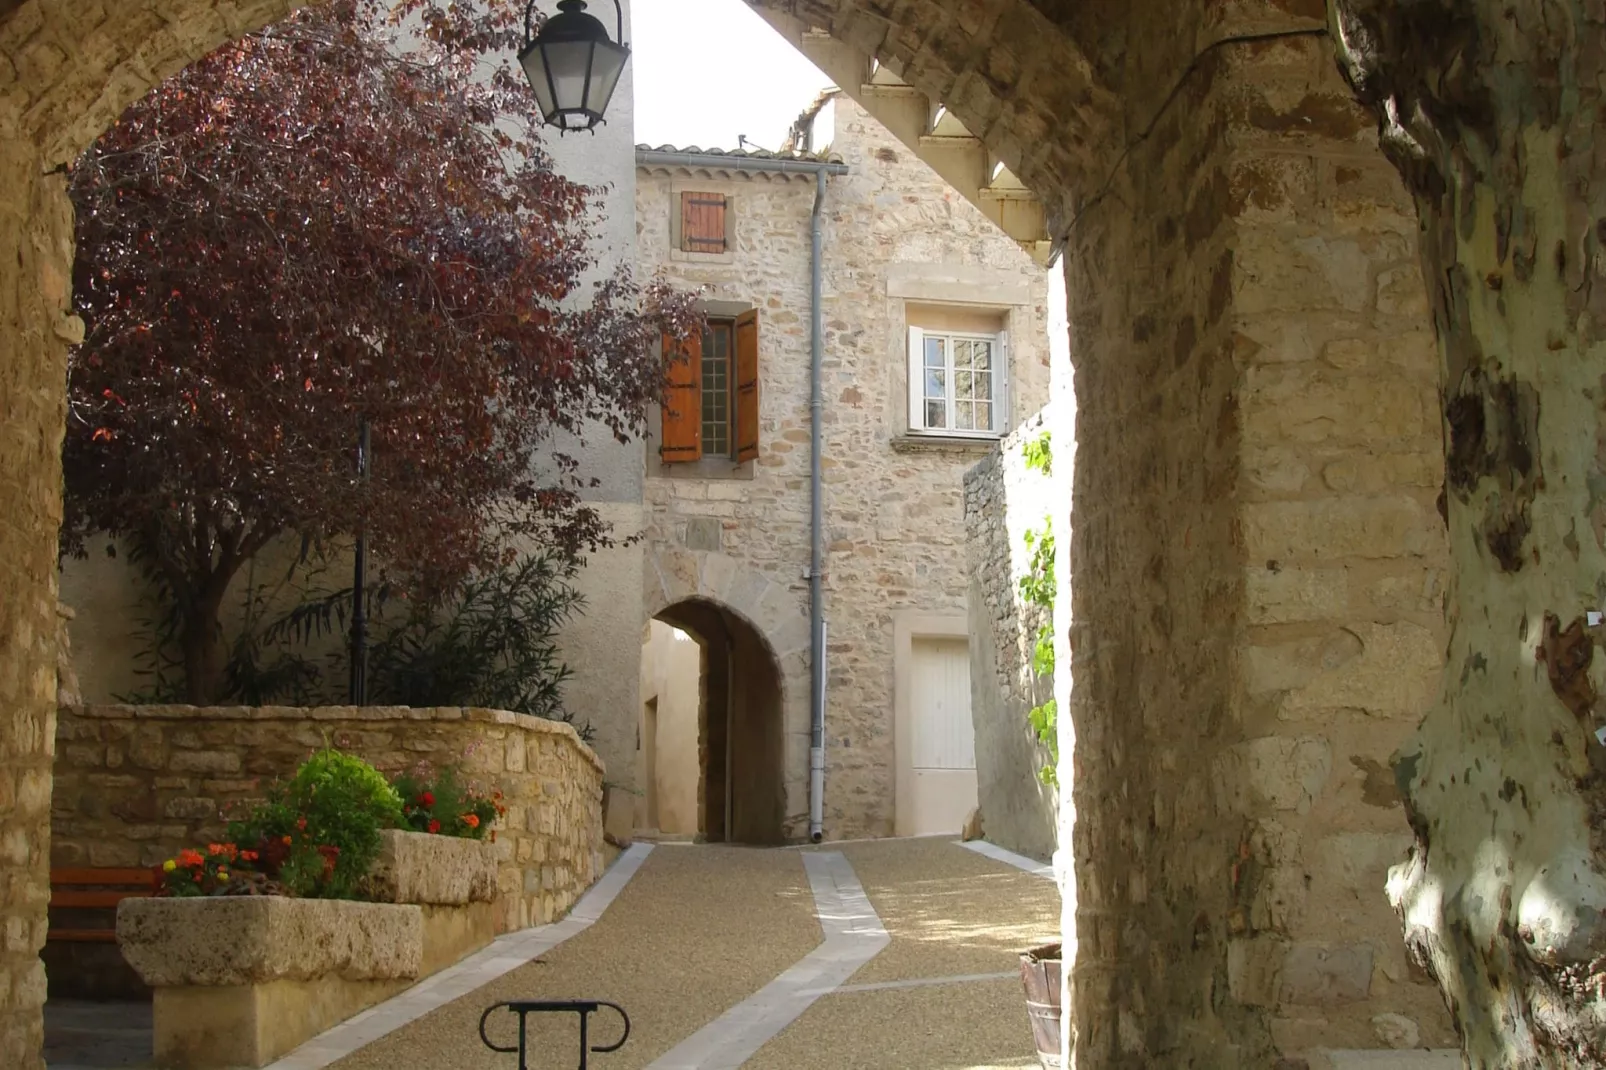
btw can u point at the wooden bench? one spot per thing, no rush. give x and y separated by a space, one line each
74 888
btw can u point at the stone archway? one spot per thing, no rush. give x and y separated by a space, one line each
720 755
68 68
1256 562
777 618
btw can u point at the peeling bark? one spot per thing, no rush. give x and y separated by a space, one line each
1490 110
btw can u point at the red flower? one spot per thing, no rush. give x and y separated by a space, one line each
188 857
426 799
248 856
301 823
434 826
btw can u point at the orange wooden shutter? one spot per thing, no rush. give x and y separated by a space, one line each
702 222
747 386
682 437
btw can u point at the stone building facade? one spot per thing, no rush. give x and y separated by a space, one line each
900 251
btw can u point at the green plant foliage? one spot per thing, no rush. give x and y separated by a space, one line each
441 802
334 801
495 645
1037 588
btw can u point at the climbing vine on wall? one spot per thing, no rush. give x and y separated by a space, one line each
1037 588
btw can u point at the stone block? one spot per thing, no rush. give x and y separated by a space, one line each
417 867
1252 969
1322 976
247 940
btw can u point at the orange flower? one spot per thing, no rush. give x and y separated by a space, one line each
287 841
248 856
188 857
214 848
471 820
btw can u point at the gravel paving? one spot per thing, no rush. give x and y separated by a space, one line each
696 931
949 912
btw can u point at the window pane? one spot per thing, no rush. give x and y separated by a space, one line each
716 390
964 384
984 416
982 356
937 414
936 384
935 358
964 416
984 386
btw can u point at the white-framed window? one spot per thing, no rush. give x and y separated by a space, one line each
958 383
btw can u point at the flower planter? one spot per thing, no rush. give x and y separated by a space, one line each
453 880
1040 974
240 980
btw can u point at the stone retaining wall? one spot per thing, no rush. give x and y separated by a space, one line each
134 784
1003 501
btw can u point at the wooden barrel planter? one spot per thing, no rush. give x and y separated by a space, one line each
1040 974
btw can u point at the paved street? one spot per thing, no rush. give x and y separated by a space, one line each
887 954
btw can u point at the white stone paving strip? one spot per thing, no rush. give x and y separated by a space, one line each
1009 858
503 955
918 982
853 936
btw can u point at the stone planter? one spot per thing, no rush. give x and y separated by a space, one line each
240 980
452 880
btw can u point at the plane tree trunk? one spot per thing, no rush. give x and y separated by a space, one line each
1492 111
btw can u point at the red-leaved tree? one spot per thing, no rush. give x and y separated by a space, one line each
324 223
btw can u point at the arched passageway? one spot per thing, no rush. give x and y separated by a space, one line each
711 740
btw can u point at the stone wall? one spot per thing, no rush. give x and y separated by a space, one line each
1256 569
1003 501
135 784
895 236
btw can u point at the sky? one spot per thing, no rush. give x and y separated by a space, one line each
710 70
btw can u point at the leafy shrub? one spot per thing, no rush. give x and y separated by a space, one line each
1037 588
318 832
441 803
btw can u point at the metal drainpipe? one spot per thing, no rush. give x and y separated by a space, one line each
816 530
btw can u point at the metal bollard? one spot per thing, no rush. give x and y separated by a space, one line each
583 1007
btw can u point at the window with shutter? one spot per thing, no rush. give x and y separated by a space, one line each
702 222
747 386
682 431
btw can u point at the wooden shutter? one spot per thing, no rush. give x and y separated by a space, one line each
747 385
682 432
702 222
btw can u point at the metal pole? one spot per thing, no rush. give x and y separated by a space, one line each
816 522
359 589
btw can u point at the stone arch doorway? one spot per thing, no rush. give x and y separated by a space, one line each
711 747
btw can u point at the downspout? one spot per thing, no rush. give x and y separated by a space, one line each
816 528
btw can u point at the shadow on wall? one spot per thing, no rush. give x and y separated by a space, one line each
711 731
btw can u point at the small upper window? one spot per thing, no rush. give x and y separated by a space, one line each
702 223
711 406
957 383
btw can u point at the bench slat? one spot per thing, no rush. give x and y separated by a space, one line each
84 936
70 898
143 878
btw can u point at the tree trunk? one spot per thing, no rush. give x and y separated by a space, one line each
202 646
1489 109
